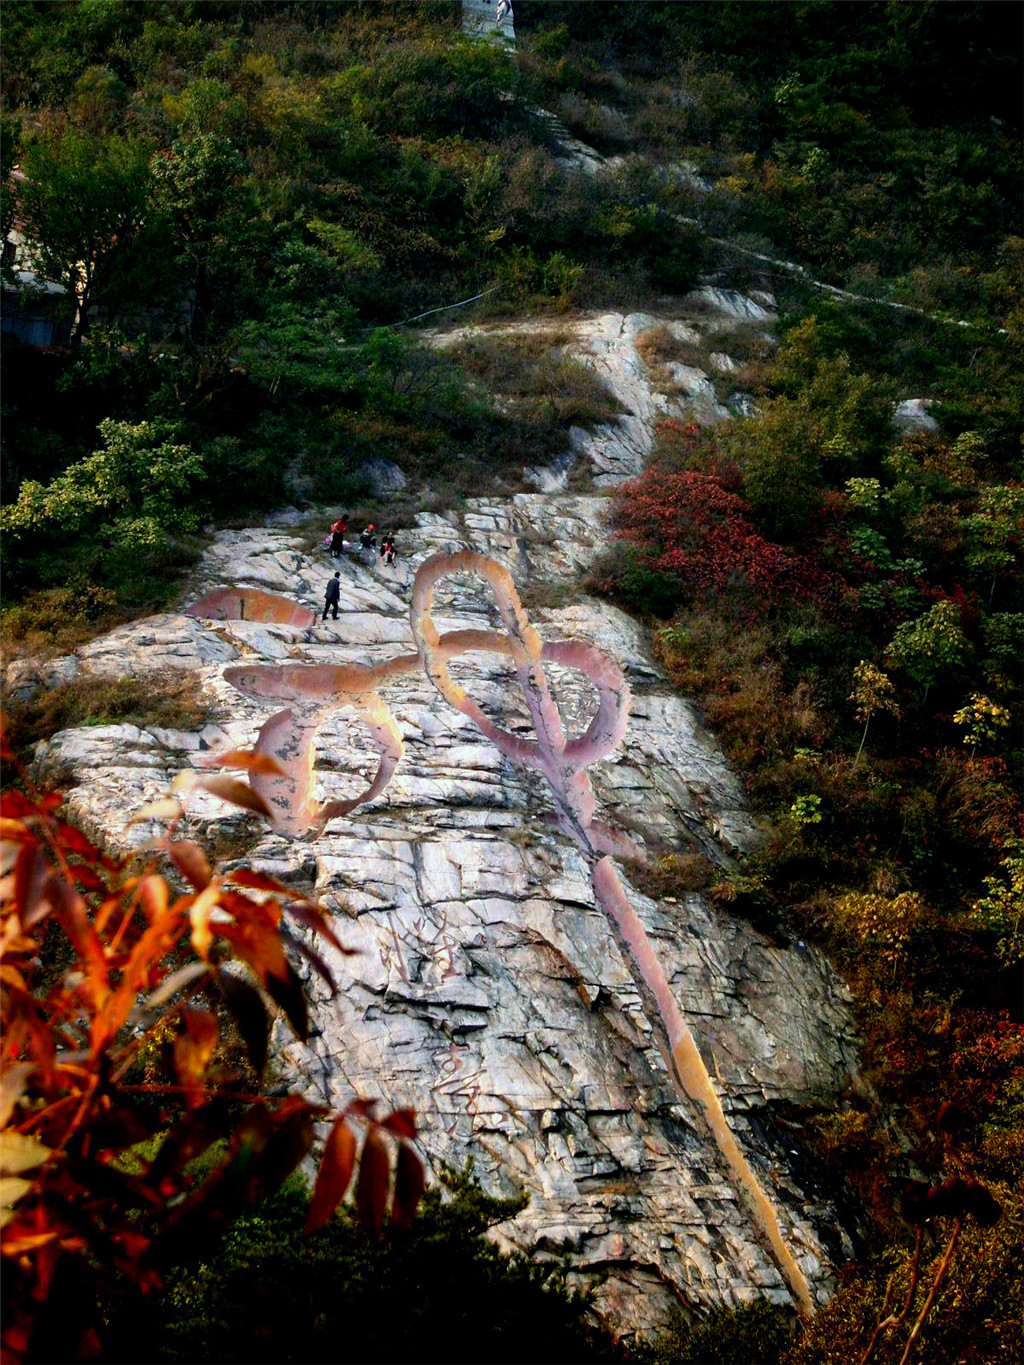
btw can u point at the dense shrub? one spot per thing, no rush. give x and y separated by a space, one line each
690 526
170 699
439 1291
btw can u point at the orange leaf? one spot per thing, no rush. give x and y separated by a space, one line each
238 793
16 1244
109 908
12 1087
373 1182
30 873
70 909
288 993
401 1122
291 1140
246 1004
259 946
313 917
333 1177
364 1108
245 758
256 881
194 1047
199 914
153 896
409 1185
190 861
153 945
247 911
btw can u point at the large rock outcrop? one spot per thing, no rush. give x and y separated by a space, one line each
487 991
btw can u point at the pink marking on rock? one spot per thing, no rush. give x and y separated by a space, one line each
315 689
251 604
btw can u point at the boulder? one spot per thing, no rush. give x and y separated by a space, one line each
383 476
912 415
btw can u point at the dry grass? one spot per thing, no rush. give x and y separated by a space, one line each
167 698
740 687
673 876
56 621
659 346
537 380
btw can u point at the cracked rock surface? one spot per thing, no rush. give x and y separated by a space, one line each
487 991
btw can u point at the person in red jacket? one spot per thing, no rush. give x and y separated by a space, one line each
338 536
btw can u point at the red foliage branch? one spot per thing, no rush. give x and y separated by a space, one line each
121 1045
690 525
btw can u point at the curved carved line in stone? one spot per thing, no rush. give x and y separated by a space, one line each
251 604
686 1066
319 688
574 807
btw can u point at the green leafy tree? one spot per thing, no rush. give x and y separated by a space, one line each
217 233
85 201
930 646
273 1292
136 491
431 87
1001 909
10 145
995 531
981 719
873 693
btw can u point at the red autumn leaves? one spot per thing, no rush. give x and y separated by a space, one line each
690 525
135 1012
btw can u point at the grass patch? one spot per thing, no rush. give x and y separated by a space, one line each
165 698
673 876
56 621
537 380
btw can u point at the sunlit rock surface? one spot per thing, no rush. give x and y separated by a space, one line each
487 992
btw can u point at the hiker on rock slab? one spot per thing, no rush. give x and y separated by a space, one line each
338 536
332 595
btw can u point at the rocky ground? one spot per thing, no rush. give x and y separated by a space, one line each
487 992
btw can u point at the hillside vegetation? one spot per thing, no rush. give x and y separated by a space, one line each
242 199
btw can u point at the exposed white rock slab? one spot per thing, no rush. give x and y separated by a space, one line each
26 678
700 392
384 476
913 415
488 992
485 19
732 304
724 364
607 343
154 643
743 405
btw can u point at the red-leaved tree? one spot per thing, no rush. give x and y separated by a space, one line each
130 1134
688 524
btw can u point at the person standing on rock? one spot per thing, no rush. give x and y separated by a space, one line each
338 536
332 595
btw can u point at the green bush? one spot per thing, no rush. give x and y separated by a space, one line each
431 87
625 575
439 1290
757 1334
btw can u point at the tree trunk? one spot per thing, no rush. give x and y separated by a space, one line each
862 739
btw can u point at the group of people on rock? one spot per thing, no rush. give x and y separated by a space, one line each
368 545
367 541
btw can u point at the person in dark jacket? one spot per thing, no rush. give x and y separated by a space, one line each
387 548
332 595
338 536
367 539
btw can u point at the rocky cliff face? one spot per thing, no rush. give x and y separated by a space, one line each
487 991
